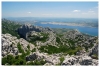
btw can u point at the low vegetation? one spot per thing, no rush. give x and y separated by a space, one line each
94 56
63 48
18 60
37 62
61 60
21 59
20 48
10 27
11 60
33 50
35 38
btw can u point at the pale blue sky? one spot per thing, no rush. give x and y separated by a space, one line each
50 9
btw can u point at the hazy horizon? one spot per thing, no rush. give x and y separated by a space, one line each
50 17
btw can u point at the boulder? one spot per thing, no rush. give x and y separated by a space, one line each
48 58
31 57
79 60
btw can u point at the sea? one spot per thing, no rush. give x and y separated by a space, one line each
87 30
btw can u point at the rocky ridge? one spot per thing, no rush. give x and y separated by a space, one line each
30 30
26 28
77 60
46 36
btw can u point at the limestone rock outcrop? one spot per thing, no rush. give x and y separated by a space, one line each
9 45
93 52
53 60
74 60
79 60
24 29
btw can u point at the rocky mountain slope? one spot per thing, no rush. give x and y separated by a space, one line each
10 45
33 45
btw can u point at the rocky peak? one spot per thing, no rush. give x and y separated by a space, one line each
24 29
76 32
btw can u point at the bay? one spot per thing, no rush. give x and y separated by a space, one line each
87 30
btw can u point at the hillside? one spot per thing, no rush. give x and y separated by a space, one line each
33 45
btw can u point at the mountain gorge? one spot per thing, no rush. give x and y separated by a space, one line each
26 44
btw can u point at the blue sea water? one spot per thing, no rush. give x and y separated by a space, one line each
87 30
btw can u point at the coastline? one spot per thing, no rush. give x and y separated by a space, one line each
67 24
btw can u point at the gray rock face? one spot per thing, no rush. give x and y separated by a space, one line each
24 29
94 50
84 40
50 59
31 57
27 29
51 40
9 45
79 60
72 34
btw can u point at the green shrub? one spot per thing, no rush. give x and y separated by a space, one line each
37 38
28 47
30 63
62 48
94 56
20 60
9 59
37 62
4 60
52 49
20 48
40 62
58 40
61 59
27 52
33 50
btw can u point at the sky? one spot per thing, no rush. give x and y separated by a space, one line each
50 9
